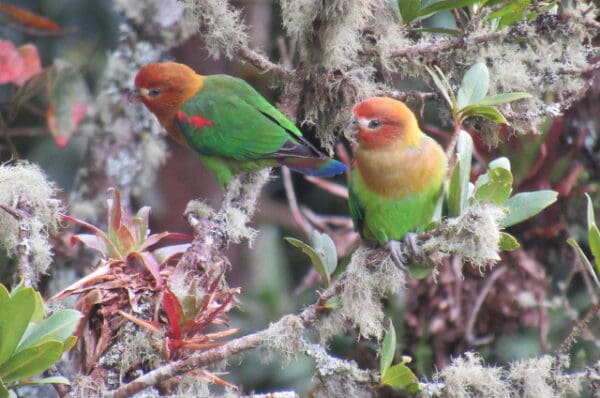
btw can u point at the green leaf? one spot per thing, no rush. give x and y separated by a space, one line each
32 361
525 205
503 98
494 187
58 326
4 393
442 85
49 380
40 308
586 262
313 255
513 12
486 112
508 242
409 9
474 86
593 233
325 248
4 294
458 191
69 343
401 377
334 303
388 349
444 5
14 318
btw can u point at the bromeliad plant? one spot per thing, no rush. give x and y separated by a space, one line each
30 343
128 270
206 302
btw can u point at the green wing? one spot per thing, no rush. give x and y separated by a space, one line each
243 125
356 210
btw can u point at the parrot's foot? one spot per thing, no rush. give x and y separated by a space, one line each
397 255
411 250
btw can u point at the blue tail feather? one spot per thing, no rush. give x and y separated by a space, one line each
316 167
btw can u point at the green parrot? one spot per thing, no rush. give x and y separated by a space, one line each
397 173
227 123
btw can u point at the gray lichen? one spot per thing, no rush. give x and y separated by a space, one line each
475 235
27 183
221 26
468 377
364 285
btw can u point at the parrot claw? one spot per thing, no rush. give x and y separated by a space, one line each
412 248
397 256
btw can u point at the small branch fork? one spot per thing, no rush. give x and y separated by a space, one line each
22 211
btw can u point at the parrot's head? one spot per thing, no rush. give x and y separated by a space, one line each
165 87
380 121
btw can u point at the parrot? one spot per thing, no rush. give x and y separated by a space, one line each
397 174
229 125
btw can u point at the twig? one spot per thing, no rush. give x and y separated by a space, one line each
582 71
62 390
261 62
469 335
434 48
578 329
21 212
331 187
293 203
26 131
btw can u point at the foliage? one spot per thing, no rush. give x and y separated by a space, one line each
472 99
398 376
322 254
66 92
593 235
29 342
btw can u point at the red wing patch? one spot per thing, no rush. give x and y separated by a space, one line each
196 121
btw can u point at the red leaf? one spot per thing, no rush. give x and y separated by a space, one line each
111 247
11 62
28 18
94 242
32 65
155 238
152 265
68 100
174 313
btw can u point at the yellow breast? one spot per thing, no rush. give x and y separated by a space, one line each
398 170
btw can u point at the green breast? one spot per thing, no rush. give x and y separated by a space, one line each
386 219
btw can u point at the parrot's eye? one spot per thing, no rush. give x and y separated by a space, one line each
154 92
373 124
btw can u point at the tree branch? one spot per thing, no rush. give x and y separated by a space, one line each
21 212
262 63
433 48
233 347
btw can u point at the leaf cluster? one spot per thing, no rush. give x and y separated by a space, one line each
30 343
495 188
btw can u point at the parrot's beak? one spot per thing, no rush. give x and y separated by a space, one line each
351 129
134 96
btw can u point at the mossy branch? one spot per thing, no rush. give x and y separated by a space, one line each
22 212
233 347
